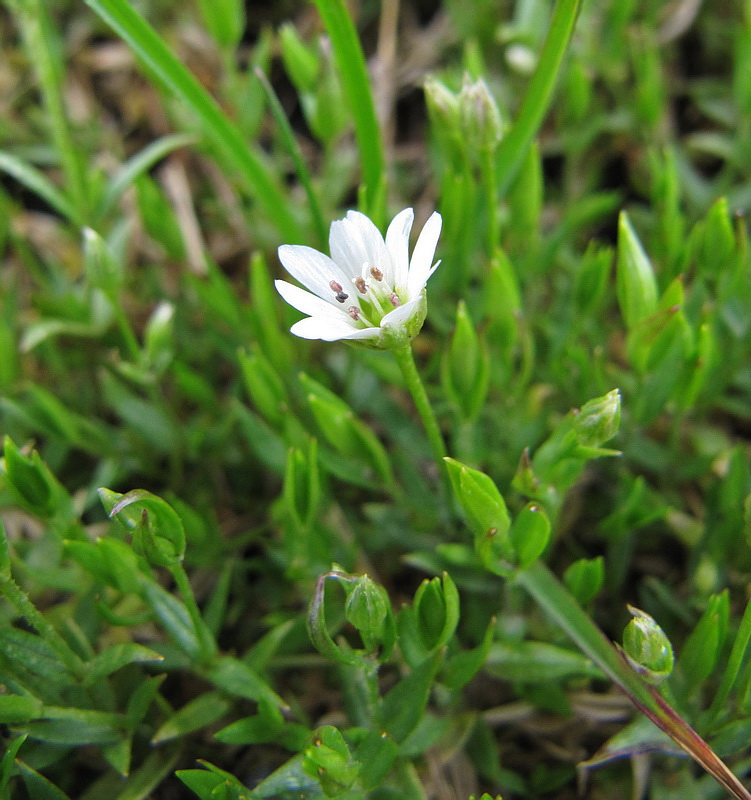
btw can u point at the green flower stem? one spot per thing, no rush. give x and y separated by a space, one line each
491 193
406 360
15 595
205 640
563 609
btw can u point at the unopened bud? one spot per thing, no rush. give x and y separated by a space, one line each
647 648
480 118
598 420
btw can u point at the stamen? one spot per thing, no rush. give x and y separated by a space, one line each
354 312
362 287
335 286
394 300
376 273
341 296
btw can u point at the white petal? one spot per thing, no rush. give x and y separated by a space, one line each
422 255
330 331
397 243
310 304
313 269
400 315
355 241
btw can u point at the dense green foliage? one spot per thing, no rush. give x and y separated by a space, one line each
223 543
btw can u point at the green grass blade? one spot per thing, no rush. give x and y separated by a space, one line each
220 131
303 173
45 51
36 182
353 74
539 93
137 165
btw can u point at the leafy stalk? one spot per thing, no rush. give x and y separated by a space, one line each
561 607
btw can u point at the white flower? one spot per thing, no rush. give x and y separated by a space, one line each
369 290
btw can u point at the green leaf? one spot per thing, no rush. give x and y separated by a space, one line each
353 74
538 95
701 650
137 165
16 708
203 711
584 578
237 678
258 729
39 787
530 534
536 662
463 666
73 726
8 762
239 158
118 656
404 705
33 653
36 182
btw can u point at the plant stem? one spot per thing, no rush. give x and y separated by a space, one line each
406 360
561 607
206 641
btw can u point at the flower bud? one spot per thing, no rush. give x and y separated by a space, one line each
368 608
443 105
158 533
464 370
480 118
30 479
437 611
636 284
264 386
486 514
159 337
598 420
647 648
302 485
301 62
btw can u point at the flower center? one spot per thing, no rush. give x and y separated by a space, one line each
374 296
